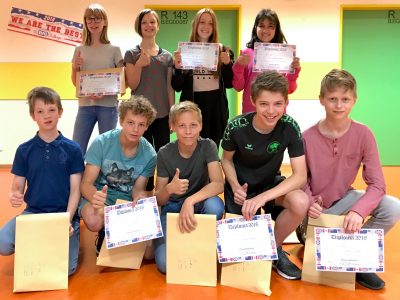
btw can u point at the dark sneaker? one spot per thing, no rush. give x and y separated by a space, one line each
285 267
370 280
301 231
99 241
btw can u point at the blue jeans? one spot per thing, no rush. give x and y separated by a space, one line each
7 241
87 116
210 206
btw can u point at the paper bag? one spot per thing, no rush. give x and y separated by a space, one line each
342 280
128 257
192 257
253 276
41 252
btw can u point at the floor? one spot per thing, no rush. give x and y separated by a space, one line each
92 282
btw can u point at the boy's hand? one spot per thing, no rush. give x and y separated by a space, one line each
243 59
144 59
78 61
178 186
16 199
99 198
138 195
240 194
352 222
315 209
250 207
187 221
71 230
225 56
177 59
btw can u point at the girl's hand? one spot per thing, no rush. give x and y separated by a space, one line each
243 59
177 59
296 63
225 56
78 62
95 97
144 59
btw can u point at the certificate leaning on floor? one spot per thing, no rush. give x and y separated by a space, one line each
241 240
274 57
360 252
126 224
199 55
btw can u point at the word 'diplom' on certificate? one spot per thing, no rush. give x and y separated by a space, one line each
240 240
199 55
126 224
274 57
338 251
100 82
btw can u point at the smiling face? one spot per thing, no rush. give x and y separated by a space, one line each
205 27
338 103
265 30
46 115
133 127
149 26
95 24
270 107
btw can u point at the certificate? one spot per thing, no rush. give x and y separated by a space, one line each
126 224
199 55
273 56
240 240
100 82
338 251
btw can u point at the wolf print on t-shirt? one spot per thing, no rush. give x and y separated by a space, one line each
120 179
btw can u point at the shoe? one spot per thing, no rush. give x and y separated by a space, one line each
370 281
285 267
99 241
301 231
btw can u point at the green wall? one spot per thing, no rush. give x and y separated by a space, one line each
371 52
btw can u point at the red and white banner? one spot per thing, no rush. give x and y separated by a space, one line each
45 26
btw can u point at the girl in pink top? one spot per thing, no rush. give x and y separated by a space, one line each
266 29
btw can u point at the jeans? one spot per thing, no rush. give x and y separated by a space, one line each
210 206
7 241
87 116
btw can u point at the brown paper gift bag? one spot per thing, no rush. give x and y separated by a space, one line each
342 280
192 257
41 252
128 257
253 276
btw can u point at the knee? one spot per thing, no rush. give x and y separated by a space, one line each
389 209
92 224
6 246
214 206
160 254
298 202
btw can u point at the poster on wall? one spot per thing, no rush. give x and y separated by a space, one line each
45 26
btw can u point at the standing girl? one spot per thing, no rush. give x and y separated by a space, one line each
96 52
266 29
149 73
207 88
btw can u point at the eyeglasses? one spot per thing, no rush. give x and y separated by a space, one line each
93 19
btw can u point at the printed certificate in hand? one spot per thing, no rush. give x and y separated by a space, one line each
125 224
338 251
199 55
100 82
273 56
240 240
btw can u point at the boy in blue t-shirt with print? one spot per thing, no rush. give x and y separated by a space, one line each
118 164
50 166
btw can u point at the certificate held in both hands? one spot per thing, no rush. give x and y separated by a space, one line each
191 257
342 280
41 252
128 257
251 273
100 82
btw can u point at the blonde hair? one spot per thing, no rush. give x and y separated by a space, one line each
338 78
138 105
97 11
181 107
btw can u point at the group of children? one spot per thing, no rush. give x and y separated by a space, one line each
324 159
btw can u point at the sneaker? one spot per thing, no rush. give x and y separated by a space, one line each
99 241
370 280
285 267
